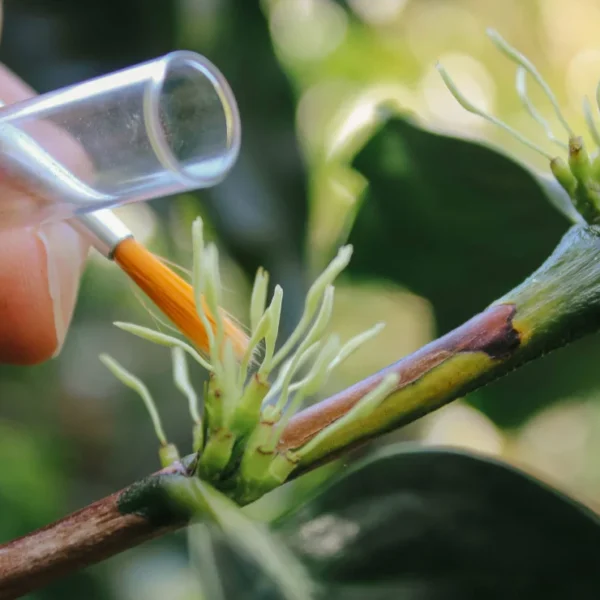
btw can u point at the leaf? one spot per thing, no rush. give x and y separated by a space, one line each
461 224
226 572
420 524
250 540
452 220
31 481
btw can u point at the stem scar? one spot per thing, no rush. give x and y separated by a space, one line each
491 332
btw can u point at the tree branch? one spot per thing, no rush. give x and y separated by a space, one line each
86 537
557 304
141 511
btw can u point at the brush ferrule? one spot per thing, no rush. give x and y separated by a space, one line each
104 230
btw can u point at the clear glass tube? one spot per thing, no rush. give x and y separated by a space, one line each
163 127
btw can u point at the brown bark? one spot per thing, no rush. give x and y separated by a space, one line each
85 537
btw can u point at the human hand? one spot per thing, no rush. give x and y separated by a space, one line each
40 268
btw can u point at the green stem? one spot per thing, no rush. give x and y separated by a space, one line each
559 303
247 413
216 454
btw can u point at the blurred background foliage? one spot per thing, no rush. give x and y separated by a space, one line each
441 229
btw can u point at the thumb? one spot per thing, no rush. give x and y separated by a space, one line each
39 281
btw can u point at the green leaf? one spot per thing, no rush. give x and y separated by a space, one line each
450 219
31 481
443 524
461 225
249 539
228 573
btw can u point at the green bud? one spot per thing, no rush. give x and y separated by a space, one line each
281 467
258 300
596 168
247 412
213 404
168 454
563 175
255 464
216 454
197 437
579 160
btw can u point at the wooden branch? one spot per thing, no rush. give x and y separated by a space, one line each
430 377
558 304
136 514
83 538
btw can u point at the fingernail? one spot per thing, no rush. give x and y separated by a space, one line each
65 255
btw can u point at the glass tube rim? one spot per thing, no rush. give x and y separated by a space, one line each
160 146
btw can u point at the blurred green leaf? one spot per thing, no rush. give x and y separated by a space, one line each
33 492
414 523
452 220
249 538
461 224
226 572
426 524
31 485
72 42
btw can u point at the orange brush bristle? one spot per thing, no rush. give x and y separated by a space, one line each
173 295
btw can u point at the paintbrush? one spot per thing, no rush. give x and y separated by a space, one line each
166 126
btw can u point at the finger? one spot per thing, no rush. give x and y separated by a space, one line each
39 267
39 280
